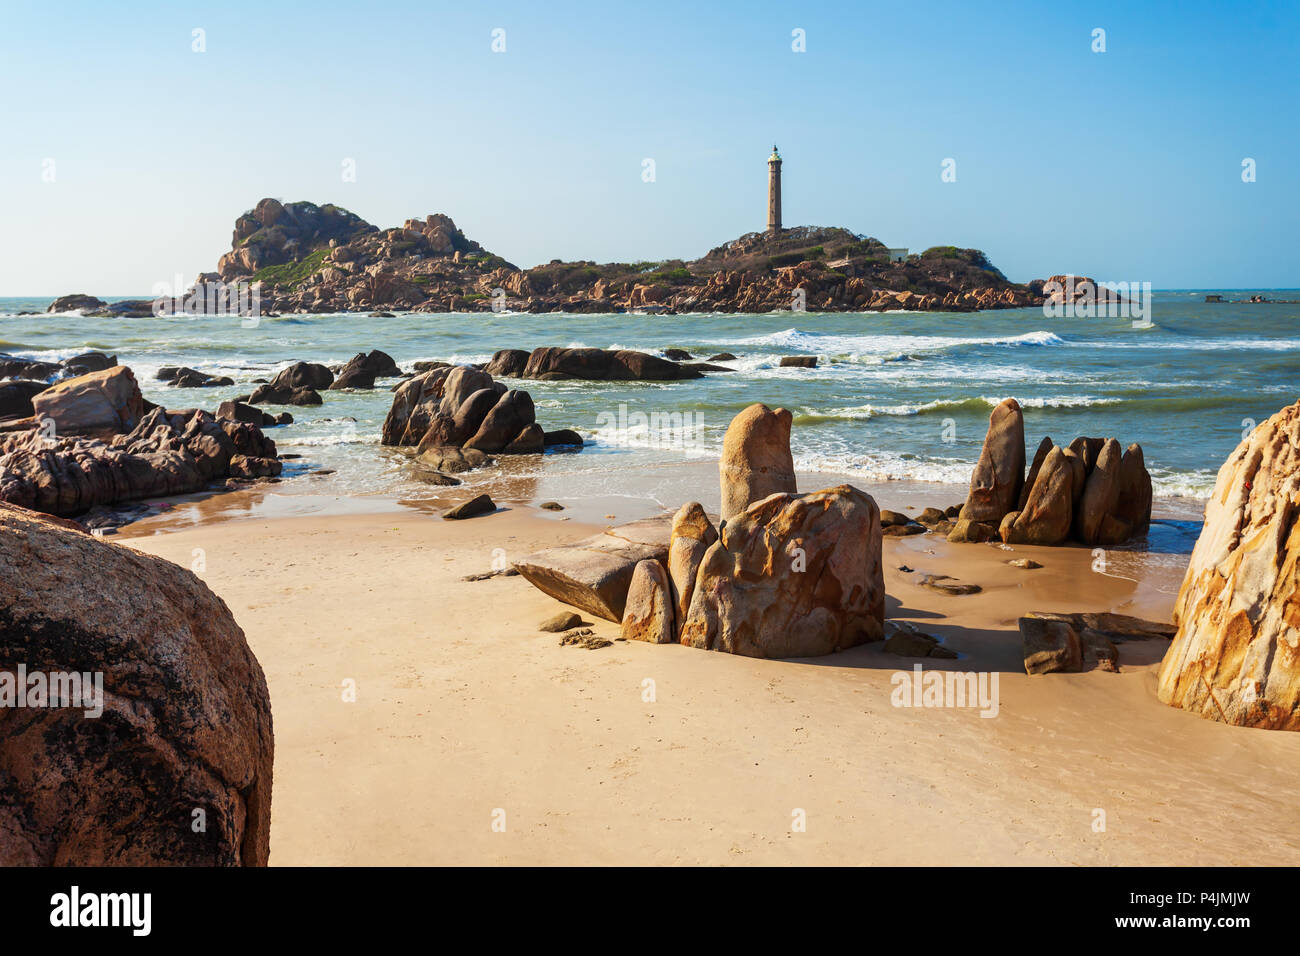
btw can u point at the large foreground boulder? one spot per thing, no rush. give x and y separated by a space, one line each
1236 656
756 460
792 577
595 574
177 769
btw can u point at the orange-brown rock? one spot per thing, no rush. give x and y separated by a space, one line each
177 768
648 613
1000 472
1236 656
1048 512
792 576
691 536
756 460
105 402
165 454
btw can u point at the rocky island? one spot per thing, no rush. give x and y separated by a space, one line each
308 258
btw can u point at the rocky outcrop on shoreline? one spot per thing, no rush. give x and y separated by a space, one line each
310 258
107 446
1236 655
177 768
1091 492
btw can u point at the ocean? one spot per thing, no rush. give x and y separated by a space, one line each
894 397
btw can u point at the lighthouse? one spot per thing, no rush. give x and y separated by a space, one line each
774 193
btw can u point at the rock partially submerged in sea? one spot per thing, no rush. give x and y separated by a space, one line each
311 375
185 734
76 302
183 377
792 576
37 370
274 394
1236 655
239 412
1090 492
362 370
595 574
459 406
16 398
605 365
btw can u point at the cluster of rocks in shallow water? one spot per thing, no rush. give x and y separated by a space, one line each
457 416
1091 492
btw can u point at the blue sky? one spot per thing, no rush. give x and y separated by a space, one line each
1125 165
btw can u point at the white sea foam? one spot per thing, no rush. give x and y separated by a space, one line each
826 343
868 411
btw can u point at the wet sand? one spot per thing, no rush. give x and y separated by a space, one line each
466 714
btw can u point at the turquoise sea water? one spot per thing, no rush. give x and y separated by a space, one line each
897 396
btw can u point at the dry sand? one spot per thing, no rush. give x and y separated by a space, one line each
464 709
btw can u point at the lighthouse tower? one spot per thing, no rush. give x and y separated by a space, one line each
774 193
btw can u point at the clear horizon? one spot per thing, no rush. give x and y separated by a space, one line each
130 154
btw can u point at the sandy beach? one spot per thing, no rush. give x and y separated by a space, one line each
466 715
